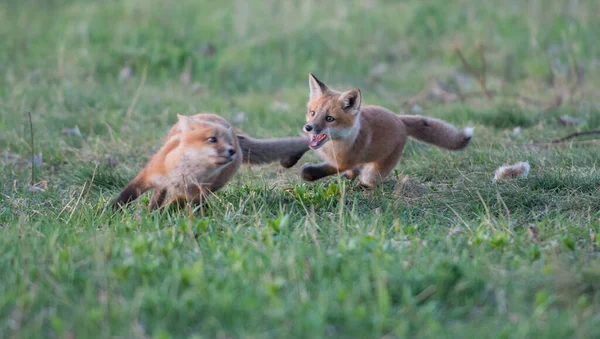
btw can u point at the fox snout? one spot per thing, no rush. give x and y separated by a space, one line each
310 128
229 153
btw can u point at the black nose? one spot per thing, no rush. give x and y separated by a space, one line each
308 127
231 151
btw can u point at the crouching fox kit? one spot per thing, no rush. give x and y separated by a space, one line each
200 155
366 141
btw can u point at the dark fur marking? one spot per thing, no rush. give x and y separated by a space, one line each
322 86
125 197
158 198
290 161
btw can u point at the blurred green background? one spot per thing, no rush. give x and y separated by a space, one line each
80 62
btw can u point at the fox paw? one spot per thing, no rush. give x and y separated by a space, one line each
290 161
368 182
308 173
351 174
365 187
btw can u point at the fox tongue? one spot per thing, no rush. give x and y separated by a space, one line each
316 139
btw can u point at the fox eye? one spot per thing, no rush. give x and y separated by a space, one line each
312 113
212 140
329 118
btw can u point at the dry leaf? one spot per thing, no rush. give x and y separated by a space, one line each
71 131
520 169
41 186
566 120
125 73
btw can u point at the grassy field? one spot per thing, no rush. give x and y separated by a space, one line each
438 250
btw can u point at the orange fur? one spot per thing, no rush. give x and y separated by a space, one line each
199 158
364 140
200 155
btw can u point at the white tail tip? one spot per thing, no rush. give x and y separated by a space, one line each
468 131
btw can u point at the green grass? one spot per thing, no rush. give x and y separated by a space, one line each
437 250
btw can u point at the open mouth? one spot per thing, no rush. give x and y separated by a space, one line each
317 140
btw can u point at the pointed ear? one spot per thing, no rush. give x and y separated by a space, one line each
350 101
184 122
317 88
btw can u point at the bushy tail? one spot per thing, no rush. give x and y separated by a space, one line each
260 151
437 132
132 191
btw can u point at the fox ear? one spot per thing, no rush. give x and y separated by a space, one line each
184 122
350 101
317 88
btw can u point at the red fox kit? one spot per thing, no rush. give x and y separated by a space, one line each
200 154
365 141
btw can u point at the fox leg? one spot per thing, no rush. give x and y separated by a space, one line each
372 173
260 151
132 191
200 199
351 173
290 161
178 203
316 172
158 198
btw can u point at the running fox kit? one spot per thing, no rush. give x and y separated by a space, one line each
365 141
200 154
